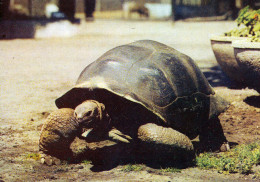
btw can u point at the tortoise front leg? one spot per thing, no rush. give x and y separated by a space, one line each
58 132
212 137
164 142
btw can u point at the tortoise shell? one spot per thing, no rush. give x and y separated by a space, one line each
152 75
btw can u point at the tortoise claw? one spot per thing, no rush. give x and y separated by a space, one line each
224 147
86 133
117 135
50 160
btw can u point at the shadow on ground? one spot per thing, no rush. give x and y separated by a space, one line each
104 158
217 78
25 28
107 157
22 29
253 101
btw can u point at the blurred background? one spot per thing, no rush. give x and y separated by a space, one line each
151 9
36 13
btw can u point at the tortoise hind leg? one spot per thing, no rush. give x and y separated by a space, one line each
164 144
212 137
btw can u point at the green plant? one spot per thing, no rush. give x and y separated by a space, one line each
132 167
171 170
34 156
256 175
241 159
86 162
248 23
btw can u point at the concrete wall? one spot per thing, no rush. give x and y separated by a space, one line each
36 8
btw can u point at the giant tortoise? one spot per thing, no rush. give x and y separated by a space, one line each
144 92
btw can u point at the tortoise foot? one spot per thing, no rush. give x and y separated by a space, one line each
164 144
212 137
159 135
49 160
213 147
225 147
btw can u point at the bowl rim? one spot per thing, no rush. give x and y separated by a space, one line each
244 44
223 38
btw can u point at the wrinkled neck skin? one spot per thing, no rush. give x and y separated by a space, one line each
99 122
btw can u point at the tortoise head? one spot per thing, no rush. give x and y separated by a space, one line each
90 114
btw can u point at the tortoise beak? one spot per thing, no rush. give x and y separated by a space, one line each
86 133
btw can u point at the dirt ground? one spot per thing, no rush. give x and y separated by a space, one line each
34 72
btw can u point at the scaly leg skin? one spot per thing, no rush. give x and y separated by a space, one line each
58 132
165 143
212 137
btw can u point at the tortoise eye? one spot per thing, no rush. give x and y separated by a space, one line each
88 113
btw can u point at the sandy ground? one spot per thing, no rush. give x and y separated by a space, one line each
34 72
